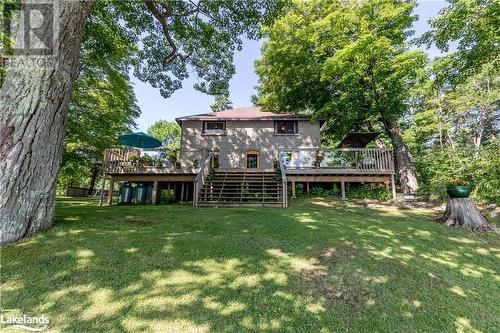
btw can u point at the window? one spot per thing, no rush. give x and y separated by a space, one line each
286 127
252 159
214 127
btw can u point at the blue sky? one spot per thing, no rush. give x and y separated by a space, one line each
188 101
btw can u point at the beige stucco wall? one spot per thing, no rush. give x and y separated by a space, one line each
243 136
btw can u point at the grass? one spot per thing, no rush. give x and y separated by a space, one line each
319 266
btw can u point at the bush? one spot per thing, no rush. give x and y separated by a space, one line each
167 196
480 169
321 192
366 192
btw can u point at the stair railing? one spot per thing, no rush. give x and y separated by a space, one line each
201 177
283 181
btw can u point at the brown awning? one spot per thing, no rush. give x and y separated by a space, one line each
358 140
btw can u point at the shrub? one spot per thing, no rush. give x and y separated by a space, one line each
366 192
321 192
481 169
167 196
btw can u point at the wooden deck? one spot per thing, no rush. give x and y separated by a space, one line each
305 165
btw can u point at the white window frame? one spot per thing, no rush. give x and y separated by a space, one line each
214 131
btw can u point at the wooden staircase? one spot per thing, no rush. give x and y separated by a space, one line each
241 189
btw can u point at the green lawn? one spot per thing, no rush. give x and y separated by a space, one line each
319 266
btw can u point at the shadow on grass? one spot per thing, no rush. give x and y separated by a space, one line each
320 265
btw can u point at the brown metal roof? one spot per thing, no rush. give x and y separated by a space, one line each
244 114
358 139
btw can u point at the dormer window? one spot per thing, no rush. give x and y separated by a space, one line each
286 127
214 127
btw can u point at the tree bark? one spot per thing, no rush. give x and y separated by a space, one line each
404 165
93 179
34 105
462 212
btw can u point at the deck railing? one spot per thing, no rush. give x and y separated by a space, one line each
338 161
128 160
201 177
284 187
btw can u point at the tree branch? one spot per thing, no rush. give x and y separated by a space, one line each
162 17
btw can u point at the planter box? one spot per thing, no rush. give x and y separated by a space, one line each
458 191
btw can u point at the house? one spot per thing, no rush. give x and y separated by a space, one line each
245 138
249 156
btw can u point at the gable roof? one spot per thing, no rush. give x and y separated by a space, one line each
244 114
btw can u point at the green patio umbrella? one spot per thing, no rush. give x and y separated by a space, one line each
139 140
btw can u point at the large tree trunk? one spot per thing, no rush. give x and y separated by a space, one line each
93 179
404 165
462 212
34 104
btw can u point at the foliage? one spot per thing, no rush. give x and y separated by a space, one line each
317 191
167 196
221 103
455 133
178 38
368 192
244 269
342 61
473 25
458 182
6 42
480 168
168 132
103 103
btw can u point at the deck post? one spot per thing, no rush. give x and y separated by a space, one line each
293 189
101 195
307 187
342 186
155 192
110 193
182 191
393 184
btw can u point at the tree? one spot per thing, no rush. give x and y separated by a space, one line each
348 62
221 103
473 107
103 103
456 134
168 132
473 25
175 38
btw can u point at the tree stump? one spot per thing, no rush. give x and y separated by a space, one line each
462 212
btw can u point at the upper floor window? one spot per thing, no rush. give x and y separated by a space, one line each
214 127
286 127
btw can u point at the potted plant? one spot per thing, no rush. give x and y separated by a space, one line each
196 163
318 159
458 188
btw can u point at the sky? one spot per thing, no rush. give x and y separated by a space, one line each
188 101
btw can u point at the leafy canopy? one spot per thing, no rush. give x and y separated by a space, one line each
103 103
178 38
346 61
474 26
168 132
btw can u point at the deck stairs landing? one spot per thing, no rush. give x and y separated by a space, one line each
241 189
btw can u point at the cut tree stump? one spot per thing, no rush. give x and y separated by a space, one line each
462 212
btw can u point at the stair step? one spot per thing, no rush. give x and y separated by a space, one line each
238 189
240 205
